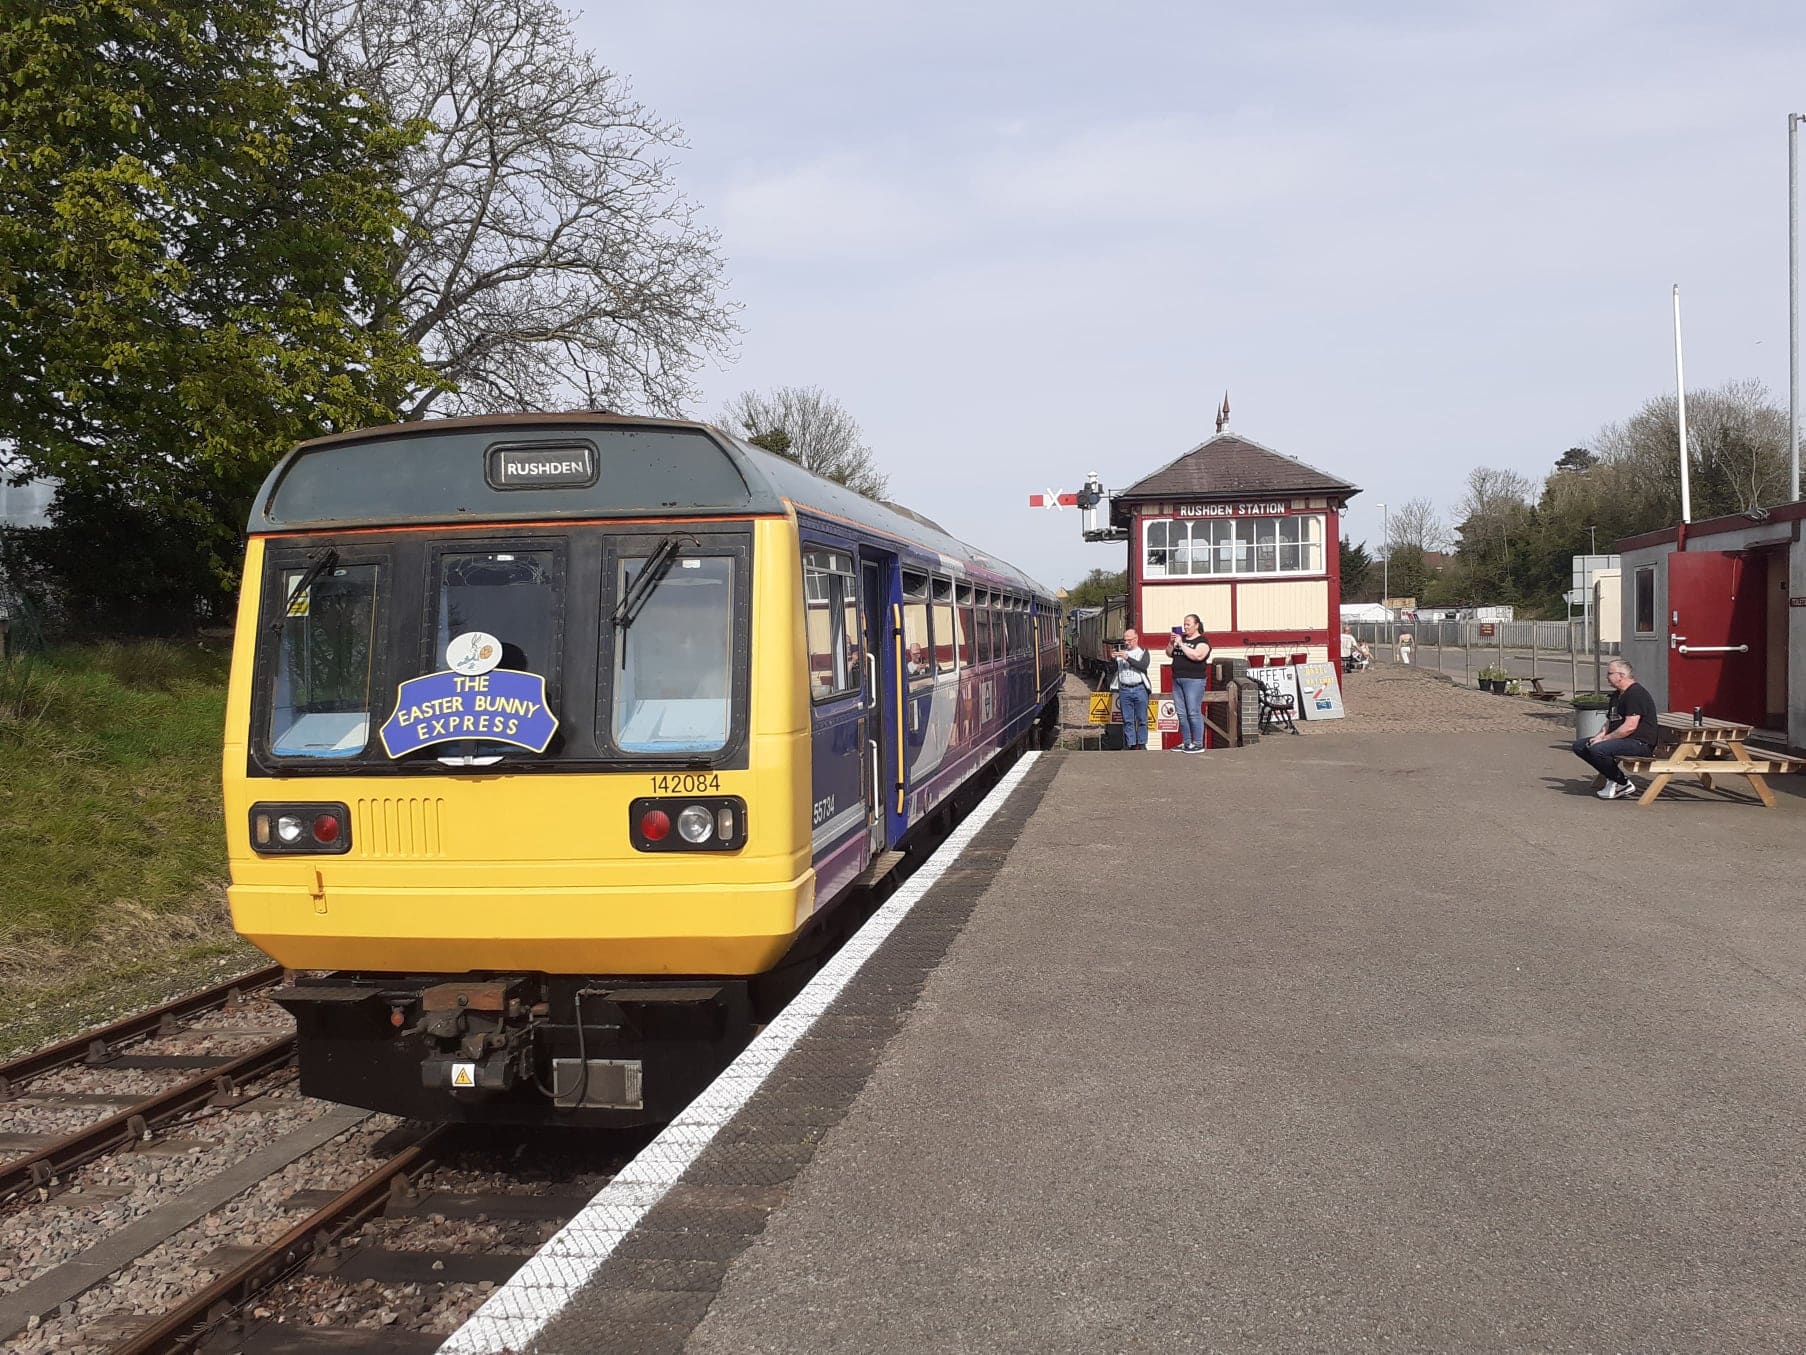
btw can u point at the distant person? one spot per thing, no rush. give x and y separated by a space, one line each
1404 647
918 661
1132 689
1191 669
1632 726
1355 655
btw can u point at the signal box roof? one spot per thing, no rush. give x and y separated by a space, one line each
1229 466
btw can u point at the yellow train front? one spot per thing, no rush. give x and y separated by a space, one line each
553 742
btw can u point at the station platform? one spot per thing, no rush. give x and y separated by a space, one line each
1368 1041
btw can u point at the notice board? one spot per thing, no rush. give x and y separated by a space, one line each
1320 693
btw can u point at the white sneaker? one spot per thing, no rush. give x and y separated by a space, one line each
1609 791
1628 791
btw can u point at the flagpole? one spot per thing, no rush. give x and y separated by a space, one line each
1680 396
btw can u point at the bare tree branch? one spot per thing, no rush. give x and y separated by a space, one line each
812 429
550 258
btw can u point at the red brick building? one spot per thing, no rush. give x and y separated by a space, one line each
1244 536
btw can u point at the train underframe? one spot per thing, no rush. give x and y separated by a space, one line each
510 1048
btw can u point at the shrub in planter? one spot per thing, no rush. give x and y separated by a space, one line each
1589 712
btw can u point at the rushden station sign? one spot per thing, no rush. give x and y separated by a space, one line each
474 700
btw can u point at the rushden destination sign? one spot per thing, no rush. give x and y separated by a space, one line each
498 704
547 466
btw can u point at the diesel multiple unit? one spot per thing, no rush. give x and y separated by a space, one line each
554 741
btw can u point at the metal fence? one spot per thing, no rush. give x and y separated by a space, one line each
1561 652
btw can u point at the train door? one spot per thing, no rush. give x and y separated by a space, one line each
878 645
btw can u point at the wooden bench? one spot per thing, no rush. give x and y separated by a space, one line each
1538 692
1711 748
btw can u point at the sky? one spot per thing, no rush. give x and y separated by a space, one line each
1021 242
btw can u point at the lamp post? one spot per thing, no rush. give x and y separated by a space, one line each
1793 302
1385 561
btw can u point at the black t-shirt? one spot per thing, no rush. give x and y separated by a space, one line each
1191 668
1635 700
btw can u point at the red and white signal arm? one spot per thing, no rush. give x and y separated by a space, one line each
1052 500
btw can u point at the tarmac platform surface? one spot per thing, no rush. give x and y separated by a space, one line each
1380 1041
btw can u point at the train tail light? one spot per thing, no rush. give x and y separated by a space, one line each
705 823
300 829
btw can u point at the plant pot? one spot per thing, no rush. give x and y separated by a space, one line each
1589 720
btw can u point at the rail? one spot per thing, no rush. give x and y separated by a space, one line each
185 1326
38 1169
99 1044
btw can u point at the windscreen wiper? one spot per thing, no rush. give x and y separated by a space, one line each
646 582
307 580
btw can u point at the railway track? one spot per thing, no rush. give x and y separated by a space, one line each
214 1078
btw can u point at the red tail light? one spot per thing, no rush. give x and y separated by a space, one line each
326 829
655 824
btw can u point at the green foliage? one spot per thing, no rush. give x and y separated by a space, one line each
109 812
1098 587
1358 573
194 250
775 440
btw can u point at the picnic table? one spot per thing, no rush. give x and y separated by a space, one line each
1710 748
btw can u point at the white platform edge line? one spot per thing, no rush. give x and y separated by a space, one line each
517 1312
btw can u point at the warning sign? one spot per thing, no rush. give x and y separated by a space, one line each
1103 708
464 1075
1166 716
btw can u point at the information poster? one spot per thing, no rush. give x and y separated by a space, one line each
1321 694
1166 715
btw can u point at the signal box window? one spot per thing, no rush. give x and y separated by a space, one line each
918 640
674 691
831 620
1645 610
324 663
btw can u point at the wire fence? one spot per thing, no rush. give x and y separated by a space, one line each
1549 652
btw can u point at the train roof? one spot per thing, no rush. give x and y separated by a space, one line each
578 466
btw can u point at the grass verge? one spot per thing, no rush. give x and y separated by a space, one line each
112 855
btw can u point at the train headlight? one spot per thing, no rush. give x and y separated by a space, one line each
702 823
696 825
300 829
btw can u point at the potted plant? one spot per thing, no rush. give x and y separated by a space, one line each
1493 680
1590 712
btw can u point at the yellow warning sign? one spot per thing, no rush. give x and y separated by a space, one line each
464 1075
1101 702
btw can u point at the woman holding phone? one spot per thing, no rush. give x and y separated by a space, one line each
1190 651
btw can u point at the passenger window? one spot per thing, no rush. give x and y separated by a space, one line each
944 628
830 619
968 625
918 642
324 663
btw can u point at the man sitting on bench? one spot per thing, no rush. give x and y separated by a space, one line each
1631 727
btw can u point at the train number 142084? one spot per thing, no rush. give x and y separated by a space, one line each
686 783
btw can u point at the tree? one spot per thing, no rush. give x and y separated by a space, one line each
1356 568
1416 524
196 242
1097 588
812 429
1576 459
1737 444
549 256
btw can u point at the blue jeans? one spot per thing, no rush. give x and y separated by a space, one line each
1603 756
1134 703
1188 696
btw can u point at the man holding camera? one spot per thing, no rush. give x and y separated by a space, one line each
1132 689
